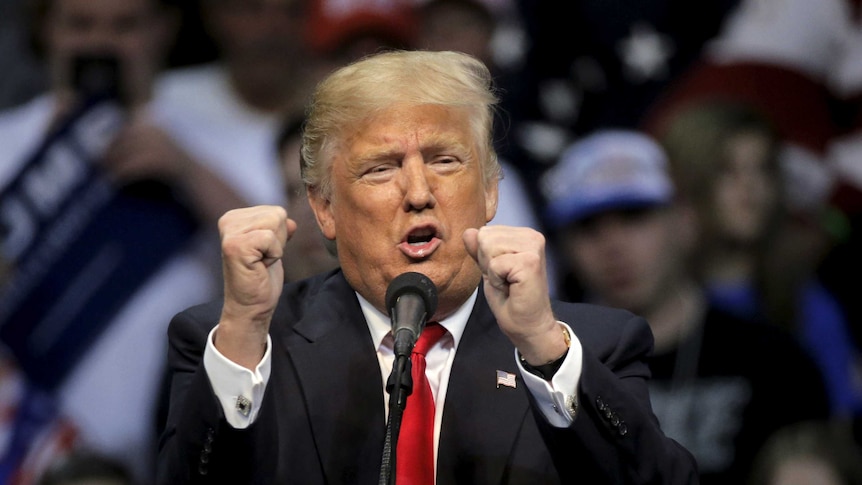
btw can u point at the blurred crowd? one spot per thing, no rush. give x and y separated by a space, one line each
697 163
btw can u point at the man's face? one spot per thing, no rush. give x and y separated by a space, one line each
406 184
627 259
132 31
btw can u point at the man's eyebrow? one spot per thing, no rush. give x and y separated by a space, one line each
443 142
447 143
388 153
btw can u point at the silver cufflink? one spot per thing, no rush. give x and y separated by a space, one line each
243 405
571 405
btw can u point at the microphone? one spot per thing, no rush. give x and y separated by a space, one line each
411 298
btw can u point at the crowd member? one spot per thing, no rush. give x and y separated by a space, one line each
233 107
279 383
459 25
821 452
799 64
107 224
757 261
720 385
491 30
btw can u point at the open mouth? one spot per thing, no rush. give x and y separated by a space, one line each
421 236
420 242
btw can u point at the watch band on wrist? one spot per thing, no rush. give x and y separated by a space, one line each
547 371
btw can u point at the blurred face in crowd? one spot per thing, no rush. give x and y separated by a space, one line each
306 252
627 258
135 32
457 27
746 191
406 185
260 40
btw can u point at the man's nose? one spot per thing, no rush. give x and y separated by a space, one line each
418 192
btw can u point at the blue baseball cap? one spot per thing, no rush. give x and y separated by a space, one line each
608 170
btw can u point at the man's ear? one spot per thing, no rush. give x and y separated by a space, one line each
492 193
322 207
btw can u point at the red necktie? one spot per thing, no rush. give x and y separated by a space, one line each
415 462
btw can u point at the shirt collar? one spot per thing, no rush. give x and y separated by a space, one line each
380 326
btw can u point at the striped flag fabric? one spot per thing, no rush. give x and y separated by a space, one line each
505 379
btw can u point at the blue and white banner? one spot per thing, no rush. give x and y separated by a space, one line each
76 246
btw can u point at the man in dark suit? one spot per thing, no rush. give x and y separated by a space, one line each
285 383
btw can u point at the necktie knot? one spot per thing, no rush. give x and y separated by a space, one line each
429 336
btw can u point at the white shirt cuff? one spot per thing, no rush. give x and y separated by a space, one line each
558 399
239 390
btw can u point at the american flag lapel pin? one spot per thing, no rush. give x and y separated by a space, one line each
505 379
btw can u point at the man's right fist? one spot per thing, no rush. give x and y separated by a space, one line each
252 244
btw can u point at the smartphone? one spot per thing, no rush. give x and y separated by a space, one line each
97 75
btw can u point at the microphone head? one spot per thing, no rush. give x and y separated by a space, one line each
415 283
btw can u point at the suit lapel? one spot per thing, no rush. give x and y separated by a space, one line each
480 420
340 382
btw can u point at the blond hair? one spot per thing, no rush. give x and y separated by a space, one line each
365 87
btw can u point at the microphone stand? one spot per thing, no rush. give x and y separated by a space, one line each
399 386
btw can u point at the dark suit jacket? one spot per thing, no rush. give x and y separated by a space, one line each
322 418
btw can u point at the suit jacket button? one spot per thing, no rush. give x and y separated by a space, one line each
615 420
622 429
202 469
600 404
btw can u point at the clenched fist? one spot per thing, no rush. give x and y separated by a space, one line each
512 260
252 242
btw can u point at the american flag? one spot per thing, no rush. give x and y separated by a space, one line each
505 379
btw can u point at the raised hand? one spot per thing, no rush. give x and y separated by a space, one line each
512 260
252 241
